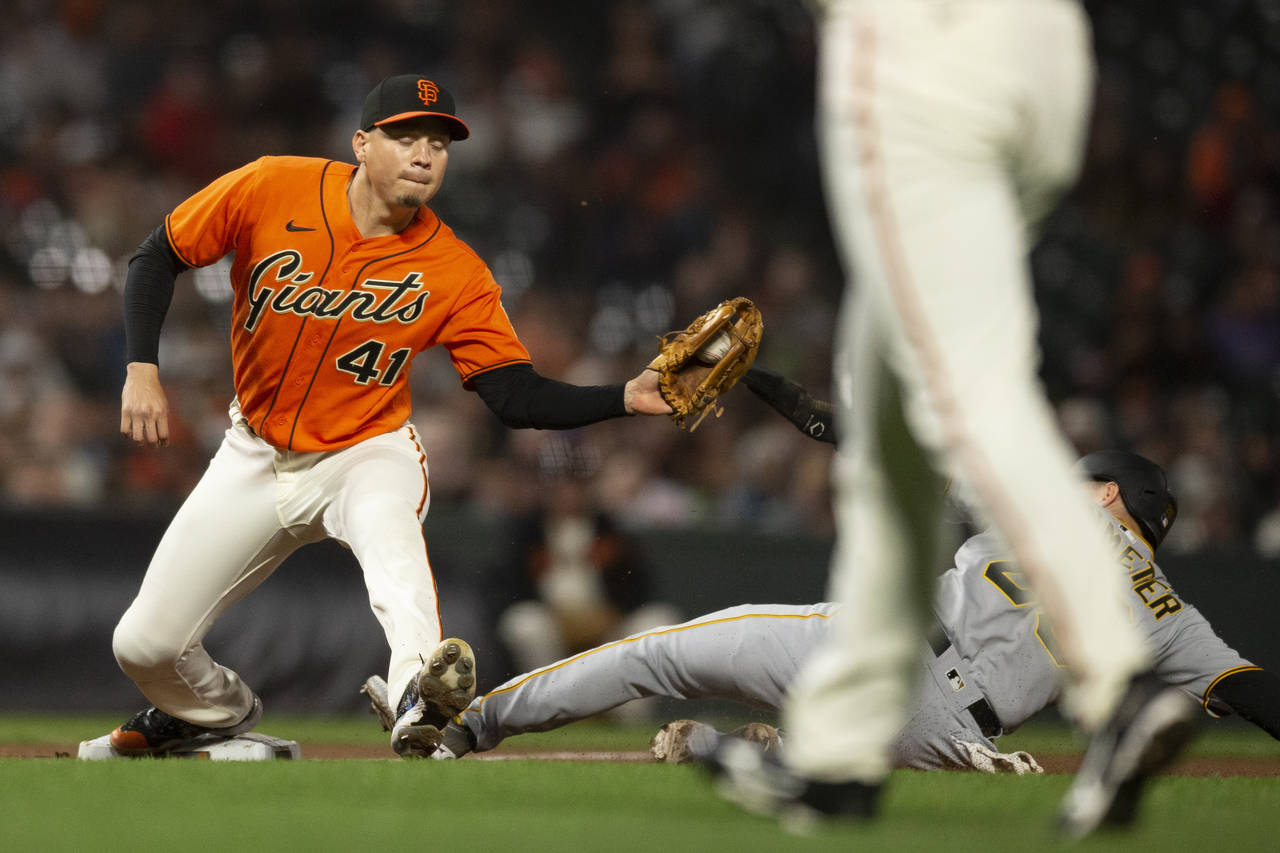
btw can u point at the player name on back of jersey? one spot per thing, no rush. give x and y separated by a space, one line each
1155 593
1146 582
383 304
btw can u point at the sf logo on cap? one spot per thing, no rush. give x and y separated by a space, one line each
428 91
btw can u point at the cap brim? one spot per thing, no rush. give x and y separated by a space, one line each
457 130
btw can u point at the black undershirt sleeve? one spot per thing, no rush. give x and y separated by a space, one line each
1255 696
523 398
148 290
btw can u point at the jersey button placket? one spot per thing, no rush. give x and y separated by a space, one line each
315 341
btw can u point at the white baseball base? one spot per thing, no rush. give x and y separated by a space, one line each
246 747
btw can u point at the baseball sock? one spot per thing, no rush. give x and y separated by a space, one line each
458 739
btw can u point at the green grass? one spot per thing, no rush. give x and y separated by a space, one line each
505 806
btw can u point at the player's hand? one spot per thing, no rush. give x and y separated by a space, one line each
144 409
641 396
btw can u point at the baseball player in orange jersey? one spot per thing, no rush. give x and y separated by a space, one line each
342 274
947 131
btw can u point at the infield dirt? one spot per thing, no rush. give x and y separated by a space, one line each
1200 766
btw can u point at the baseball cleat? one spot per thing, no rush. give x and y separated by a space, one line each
458 741
758 782
416 740
1150 726
443 688
444 753
153 732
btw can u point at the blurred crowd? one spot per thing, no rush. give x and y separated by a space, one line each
630 165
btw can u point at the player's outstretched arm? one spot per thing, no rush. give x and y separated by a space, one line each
1254 694
815 418
523 399
144 409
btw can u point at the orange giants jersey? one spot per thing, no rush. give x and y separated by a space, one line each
325 322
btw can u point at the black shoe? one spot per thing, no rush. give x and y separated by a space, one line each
153 732
760 783
456 741
1150 726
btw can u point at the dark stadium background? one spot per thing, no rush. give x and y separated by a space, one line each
631 164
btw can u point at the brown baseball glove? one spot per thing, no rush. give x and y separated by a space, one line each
697 365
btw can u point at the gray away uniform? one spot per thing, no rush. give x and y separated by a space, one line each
989 667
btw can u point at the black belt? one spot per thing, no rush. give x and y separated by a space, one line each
988 722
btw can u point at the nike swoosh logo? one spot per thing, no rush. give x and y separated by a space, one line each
289 226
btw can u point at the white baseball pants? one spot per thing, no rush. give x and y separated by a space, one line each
252 508
948 128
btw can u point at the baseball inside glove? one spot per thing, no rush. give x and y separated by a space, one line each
697 365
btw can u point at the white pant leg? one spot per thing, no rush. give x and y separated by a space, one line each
223 542
943 126
851 701
376 496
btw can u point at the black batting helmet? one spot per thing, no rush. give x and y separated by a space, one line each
1144 488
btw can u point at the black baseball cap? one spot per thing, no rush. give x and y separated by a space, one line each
409 96
1144 488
